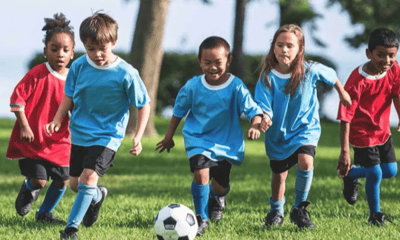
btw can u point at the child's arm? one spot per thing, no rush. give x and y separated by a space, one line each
254 132
168 142
265 123
143 117
65 106
344 159
26 131
343 95
396 102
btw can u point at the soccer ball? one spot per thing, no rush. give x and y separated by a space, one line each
175 222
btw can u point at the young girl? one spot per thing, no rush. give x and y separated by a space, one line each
287 94
35 101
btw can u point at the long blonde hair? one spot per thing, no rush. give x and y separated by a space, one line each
296 69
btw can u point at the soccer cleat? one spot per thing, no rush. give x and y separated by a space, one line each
93 211
378 219
69 233
216 207
301 217
203 224
24 200
48 218
350 188
273 219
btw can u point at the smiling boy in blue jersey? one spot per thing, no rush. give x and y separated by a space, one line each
212 132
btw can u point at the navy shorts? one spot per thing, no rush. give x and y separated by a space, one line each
97 158
370 156
42 169
219 170
280 166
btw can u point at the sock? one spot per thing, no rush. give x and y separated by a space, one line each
28 184
372 187
277 206
200 199
357 172
97 197
389 170
81 204
53 196
303 185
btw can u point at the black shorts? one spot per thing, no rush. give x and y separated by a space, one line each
219 170
42 169
370 156
280 166
97 158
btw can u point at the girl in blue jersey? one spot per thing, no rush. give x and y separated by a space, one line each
213 136
287 94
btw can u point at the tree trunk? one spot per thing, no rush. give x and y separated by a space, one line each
147 53
237 68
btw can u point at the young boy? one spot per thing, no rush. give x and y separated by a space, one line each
100 86
213 136
365 124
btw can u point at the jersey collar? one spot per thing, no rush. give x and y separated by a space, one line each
54 73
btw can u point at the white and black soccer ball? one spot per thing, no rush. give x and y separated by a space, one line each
175 222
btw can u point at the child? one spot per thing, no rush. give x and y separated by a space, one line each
212 131
365 125
100 86
34 101
287 93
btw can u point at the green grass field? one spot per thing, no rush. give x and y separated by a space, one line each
140 186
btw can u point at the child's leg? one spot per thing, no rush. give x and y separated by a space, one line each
73 183
304 178
372 187
53 196
277 200
200 191
389 170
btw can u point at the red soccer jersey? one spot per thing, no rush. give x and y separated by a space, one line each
39 94
369 114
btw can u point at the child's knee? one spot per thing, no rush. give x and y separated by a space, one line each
38 183
389 170
60 183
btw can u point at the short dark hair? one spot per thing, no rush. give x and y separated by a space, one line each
98 28
58 24
214 42
383 37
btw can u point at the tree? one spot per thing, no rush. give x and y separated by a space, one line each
371 14
146 54
237 68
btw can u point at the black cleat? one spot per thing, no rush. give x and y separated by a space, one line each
301 217
273 219
93 211
48 218
203 224
378 219
69 233
350 190
24 200
216 207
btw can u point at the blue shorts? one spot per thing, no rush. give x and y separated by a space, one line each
97 158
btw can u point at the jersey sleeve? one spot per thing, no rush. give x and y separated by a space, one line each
353 87
396 80
182 102
326 74
22 92
263 97
136 90
246 103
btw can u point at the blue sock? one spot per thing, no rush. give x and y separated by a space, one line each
389 170
357 172
200 199
303 185
81 204
372 187
97 196
28 184
277 206
53 196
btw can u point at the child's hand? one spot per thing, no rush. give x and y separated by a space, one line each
265 123
166 143
344 164
398 127
345 98
136 147
253 133
27 135
52 127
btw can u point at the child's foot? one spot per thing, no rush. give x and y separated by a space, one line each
48 218
378 219
93 211
216 207
300 216
69 233
203 224
25 199
350 188
273 219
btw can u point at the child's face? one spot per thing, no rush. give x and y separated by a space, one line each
101 54
382 59
286 48
213 63
59 51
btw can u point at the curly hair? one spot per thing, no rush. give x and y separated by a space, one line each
58 24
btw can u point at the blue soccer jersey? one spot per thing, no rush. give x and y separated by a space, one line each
101 97
295 119
212 127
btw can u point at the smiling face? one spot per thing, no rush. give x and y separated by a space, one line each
381 59
101 53
213 63
286 48
59 50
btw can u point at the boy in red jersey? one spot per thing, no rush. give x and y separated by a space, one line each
365 124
